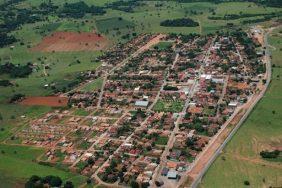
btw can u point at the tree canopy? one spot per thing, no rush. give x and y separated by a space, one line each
180 22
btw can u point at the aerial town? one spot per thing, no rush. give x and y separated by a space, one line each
166 103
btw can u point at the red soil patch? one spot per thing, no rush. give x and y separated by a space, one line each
71 41
53 101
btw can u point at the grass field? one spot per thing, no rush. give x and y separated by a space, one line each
17 162
162 140
163 45
92 86
81 112
240 160
168 106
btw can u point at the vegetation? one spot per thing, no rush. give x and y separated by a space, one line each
181 22
257 133
19 162
5 83
79 9
94 85
239 16
272 3
270 154
163 45
5 39
81 112
126 6
168 106
36 181
25 22
16 70
16 97
161 140
170 88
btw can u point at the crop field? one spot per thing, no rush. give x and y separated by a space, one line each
240 160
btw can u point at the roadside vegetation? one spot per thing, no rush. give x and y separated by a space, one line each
23 72
245 158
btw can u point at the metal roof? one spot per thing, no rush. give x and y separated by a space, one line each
142 103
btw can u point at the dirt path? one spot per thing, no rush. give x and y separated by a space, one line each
151 43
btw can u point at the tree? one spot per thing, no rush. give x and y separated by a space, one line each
246 182
270 154
68 184
16 97
55 181
6 40
88 181
145 185
134 184
181 22
34 181
90 161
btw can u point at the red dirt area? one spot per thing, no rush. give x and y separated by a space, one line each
71 41
53 101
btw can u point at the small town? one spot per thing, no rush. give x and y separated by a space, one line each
166 104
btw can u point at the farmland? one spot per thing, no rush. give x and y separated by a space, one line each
64 51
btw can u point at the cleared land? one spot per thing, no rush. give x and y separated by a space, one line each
52 101
71 41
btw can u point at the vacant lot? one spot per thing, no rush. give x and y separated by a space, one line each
92 86
168 106
240 160
52 101
71 41
163 45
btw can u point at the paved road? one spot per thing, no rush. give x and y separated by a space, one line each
249 110
153 41
163 159
193 90
164 83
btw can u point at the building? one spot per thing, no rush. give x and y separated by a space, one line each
142 104
172 174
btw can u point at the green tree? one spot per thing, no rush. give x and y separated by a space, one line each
134 184
68 184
